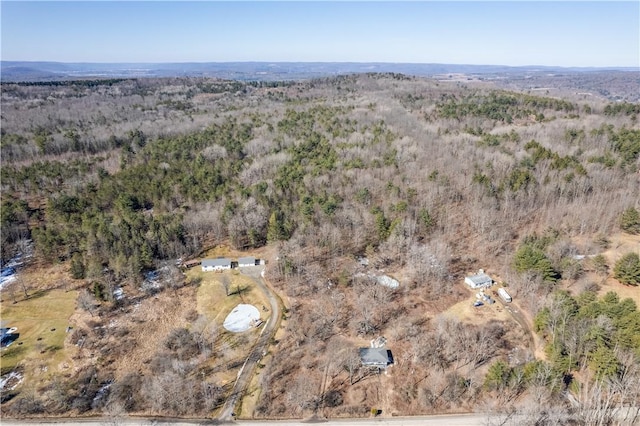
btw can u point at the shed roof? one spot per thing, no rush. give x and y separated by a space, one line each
216 262
248 259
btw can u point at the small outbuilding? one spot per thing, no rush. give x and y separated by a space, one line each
376 357
8 336
246 261
479 280
191 263
219 264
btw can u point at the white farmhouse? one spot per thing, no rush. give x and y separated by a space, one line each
219 264
480 280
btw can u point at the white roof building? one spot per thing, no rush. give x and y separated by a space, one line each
478 281
216 264
247 261
376 357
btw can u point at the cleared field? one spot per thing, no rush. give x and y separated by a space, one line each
212 300
41 321
214 304
466 312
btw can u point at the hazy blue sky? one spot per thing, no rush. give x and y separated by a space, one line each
506 33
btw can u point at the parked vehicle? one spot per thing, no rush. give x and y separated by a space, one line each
504 295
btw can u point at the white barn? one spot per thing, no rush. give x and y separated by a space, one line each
219 264
480 280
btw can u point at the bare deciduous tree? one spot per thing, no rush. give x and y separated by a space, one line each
86 301
226 283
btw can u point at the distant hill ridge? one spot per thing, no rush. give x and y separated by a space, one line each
14 71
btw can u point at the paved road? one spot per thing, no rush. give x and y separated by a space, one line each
441 420
473 419
259 349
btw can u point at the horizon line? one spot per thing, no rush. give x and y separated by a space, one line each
317 62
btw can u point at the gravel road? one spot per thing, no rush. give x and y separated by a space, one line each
258 350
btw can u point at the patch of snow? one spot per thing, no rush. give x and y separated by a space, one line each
387 281
15 261
583 256
25 252
152 275
154 280
241 318
102 393
8 273
384 280
118 293
10 381
7 276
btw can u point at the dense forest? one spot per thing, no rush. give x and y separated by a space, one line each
424 179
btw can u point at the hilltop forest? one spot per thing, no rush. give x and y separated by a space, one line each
341 178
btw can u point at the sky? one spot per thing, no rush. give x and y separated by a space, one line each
516 33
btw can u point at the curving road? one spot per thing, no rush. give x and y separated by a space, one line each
258 350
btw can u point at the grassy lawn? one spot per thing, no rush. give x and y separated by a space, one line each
41 321
212 300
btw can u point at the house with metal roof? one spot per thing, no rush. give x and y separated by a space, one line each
376 357
479 280
219 264
246 261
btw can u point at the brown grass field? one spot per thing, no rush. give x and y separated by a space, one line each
42 320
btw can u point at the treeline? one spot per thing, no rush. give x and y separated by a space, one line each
80 83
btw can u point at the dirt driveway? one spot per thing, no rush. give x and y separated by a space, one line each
259 349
